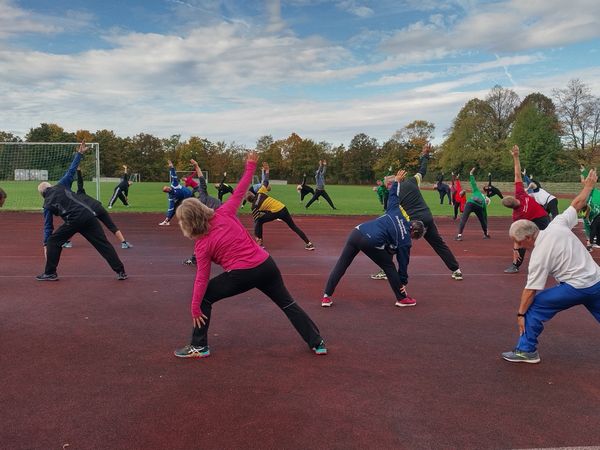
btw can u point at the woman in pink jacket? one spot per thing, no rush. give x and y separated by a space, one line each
221 238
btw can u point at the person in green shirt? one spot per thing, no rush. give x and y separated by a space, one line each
591 218
476 204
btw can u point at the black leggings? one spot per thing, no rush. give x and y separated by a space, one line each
433 238
595 230
284 215
118 193
444 190
456 206
492 190
358 243
320 193
266 278
552 208
92 231
470 207
305 190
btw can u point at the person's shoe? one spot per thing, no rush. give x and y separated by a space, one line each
309 246
320 349
519 356
326 302
487 236
121 276
407 301
191 261
379 275
458 237
189 351
457 275
126 244
165 223
511 269
589 248
110 207
595 246
47 277
67 244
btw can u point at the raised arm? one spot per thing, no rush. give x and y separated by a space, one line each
580 200
265 174
173 174
69 176
233 203
515 154
423 161
473 182
198 171
393 200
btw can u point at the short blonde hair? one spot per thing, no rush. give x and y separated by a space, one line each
194 218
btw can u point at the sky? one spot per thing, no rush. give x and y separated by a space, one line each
326 70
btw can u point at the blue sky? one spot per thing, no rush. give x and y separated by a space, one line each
325 69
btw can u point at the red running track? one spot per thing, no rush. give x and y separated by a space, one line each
87 361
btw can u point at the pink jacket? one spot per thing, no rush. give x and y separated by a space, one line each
227 242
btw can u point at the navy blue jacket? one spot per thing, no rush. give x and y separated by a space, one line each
391 232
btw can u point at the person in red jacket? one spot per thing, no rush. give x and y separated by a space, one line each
191 184
524 207
459 197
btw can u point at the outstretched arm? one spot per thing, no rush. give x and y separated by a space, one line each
393 200
173 174
233 203
423 160
265 174
580 200
515 154
68 177
201 179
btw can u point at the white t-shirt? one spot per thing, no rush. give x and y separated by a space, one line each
558 252
542 197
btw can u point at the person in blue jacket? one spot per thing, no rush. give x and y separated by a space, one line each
79 217
380 239
176 194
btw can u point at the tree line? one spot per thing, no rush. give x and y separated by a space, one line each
555 135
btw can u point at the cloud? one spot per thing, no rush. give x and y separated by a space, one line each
504 26
355 7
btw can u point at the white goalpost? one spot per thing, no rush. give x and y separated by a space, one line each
24 164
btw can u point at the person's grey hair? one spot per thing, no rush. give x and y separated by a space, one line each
43 186
522 229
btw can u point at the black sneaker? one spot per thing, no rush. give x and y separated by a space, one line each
191 261
189 351
47 277
511 269
121 276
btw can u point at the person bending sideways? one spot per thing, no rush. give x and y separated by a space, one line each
556 252
477 204
414 204
380 239
176 193
267 209
524 207
491 190
548 201
443 189
59 200
223 188
122 190
222 239
459 196
304 189
591 215
101 213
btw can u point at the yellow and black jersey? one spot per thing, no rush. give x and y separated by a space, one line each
264 203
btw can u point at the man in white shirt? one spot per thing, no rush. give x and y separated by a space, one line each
557 251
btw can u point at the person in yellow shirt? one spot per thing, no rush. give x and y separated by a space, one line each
267 209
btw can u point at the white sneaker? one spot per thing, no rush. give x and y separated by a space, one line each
379 276
165 223
457 275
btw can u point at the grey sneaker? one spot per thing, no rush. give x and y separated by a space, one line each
457 275
126 244
121 276
519 356
379 275
47 277
189 351
67 244
458 237
511 269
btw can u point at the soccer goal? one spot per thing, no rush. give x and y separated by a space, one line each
24 164
181 174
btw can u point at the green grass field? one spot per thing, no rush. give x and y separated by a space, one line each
350 200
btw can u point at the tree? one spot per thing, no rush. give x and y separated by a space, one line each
359 159
535 131
503 103
579 114
418 132
112 155
49 132
5 136
146 152
471 140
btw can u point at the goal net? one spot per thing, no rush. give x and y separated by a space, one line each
23 165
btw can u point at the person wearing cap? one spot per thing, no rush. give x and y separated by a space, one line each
380 239
557 252
477 204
